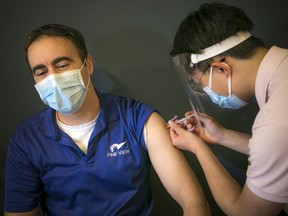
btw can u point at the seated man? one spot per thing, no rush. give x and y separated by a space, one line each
89 153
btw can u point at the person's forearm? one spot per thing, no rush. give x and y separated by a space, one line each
182 184
236 140
196 209
224 188
190 194
31 213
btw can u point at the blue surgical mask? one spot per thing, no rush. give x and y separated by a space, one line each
65 92
229 102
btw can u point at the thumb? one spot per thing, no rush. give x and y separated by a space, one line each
175 129
173 125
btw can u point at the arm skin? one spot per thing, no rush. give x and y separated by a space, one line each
236 140
214 133
173 169
30 213
226 191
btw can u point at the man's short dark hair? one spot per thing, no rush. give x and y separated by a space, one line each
61 31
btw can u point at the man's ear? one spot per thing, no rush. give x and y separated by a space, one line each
89 64
223 67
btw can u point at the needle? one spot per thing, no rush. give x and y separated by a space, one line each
174 118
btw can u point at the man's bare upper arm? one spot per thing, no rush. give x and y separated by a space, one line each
169 162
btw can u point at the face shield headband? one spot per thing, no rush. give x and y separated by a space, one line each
220 47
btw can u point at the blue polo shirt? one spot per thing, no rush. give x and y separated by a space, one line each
45 166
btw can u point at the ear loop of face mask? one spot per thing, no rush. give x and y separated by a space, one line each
89 79
229 81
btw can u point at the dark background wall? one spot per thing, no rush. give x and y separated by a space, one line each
130 42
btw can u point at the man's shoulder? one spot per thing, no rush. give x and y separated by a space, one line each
119 100
32 120
114 97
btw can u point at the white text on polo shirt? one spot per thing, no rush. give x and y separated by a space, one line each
121 152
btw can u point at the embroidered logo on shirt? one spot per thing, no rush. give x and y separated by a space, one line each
118 146
116 150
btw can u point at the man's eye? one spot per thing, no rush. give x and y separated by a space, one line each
61 66
40 72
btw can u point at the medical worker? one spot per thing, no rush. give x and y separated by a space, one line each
89 153
231 66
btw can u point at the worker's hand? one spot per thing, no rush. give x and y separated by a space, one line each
184 139
206 127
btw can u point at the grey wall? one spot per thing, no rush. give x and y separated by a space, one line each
129 41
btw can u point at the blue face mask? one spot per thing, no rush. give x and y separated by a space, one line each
229 102
65 92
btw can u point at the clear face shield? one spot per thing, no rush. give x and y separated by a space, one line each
193 91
